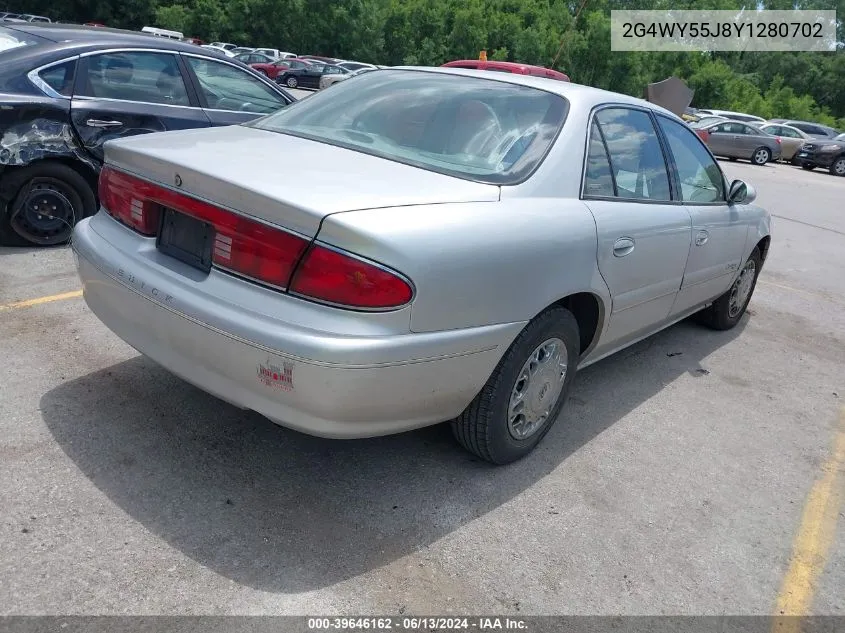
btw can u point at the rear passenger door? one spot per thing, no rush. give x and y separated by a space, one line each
643 233
231 95
124 93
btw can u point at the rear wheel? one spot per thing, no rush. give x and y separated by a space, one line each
524 395
761 156
291 82
50 199
838 167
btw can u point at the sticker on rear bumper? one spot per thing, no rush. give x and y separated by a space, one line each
278 376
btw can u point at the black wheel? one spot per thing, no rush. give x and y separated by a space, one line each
837 168
761 156
728 309
808 167
50 199
291 82
524 395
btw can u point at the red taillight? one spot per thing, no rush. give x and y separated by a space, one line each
777 138
128 199
242 245
330 276
259 251
254 249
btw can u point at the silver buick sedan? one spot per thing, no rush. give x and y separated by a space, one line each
414 246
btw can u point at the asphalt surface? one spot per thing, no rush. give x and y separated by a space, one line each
674 483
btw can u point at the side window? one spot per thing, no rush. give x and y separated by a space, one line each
226 87
598 180
785 131
145 77
700 176
60 77
636 158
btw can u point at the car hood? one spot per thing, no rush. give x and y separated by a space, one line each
284 179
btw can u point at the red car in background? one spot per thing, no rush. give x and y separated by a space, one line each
274 69
507 67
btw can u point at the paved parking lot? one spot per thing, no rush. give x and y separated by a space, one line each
686 474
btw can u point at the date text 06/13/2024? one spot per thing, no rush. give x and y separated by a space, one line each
411 623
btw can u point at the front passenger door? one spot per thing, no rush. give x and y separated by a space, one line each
231 95
119 94
719 230
643 235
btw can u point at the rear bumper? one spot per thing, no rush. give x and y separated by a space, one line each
331 385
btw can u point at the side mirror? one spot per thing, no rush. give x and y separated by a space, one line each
741 193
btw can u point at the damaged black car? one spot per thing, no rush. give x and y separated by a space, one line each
65 90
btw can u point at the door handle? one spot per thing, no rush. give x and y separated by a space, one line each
701 238
623 246
99 123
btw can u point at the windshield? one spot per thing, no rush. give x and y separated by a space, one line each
10 39
477 129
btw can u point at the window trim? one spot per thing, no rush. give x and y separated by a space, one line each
35 78
190 86
674 167
669 174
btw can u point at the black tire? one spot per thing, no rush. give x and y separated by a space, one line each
483 427
808 167
720 315
757 157
291 82
837 167
63 192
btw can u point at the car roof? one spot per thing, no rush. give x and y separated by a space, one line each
577 94
96 36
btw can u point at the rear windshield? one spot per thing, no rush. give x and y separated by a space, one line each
478 129
11 39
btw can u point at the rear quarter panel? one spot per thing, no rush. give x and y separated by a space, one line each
33 128
477 264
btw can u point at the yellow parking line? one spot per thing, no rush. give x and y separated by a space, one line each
814 537
34 302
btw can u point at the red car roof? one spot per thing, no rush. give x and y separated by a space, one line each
511 67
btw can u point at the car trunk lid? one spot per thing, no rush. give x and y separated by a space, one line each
281 179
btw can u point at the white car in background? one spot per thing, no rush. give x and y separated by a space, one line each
214 47
353 66
734 116
275 53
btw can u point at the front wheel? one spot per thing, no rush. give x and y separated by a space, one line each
523 397
728 309
838 167
761 156
292 82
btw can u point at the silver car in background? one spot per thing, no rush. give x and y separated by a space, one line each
735 139
417 246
